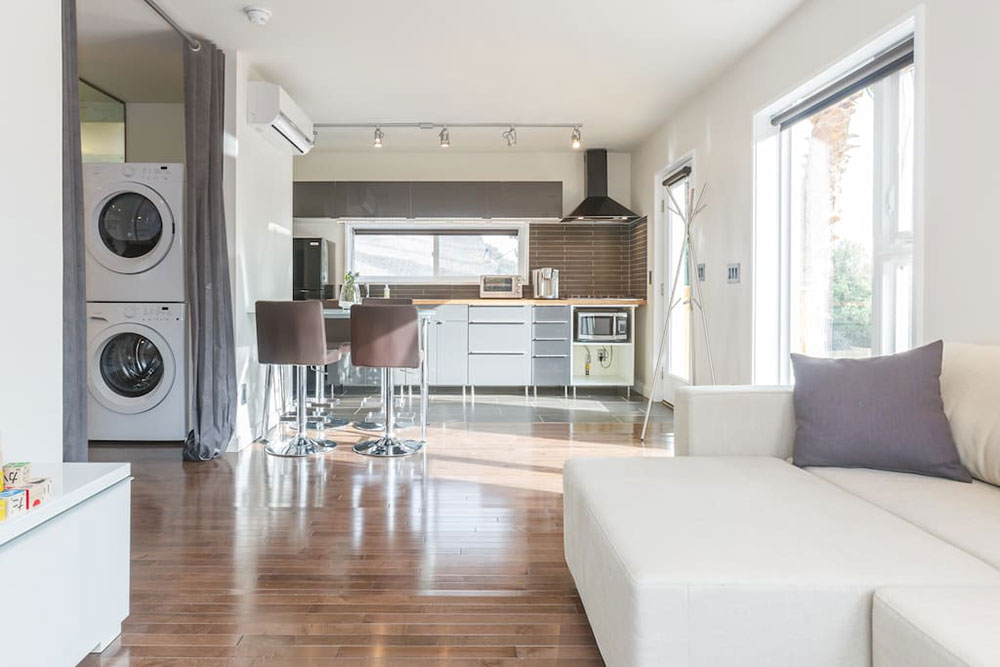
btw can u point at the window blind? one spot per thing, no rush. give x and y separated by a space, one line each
886 63
677 176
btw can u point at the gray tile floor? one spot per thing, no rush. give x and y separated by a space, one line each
499 406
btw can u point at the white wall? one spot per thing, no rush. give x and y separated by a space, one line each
31 234
154 132
961 234
261 241
512 165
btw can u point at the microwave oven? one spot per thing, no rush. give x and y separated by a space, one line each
500 287
602 326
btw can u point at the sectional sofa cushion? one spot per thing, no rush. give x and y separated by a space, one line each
884 413
970 386
966 515
738 560
935 627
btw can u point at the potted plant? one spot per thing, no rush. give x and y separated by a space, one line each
349 292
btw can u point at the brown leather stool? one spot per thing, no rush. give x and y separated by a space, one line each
293 333
386 337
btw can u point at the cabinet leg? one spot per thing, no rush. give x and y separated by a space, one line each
628 393
525 392
463 393
536 391
472 393
574 393
565 391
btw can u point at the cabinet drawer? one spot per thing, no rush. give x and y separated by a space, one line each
498 313
449 312
550 371
550 348
550 331
551 314
487 338
499 370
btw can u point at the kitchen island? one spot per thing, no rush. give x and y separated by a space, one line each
527 343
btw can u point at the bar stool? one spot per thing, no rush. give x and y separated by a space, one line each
368 424
386 337
292 333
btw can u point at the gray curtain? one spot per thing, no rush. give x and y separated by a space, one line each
74 346
210 303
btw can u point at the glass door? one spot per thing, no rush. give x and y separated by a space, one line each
677 366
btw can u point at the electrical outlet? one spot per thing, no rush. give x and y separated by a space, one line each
243 394
701 273
733 273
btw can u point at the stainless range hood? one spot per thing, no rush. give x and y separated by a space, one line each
598 206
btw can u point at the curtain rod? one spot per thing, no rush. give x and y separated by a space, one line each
192 43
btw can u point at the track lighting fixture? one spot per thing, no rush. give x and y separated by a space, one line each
507 130
511 136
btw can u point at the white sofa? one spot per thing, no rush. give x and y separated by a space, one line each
729 555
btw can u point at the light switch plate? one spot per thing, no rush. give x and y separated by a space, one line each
701 273
733 273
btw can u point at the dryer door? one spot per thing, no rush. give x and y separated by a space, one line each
130 228
132 368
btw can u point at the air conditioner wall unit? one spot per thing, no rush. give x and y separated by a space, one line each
273 113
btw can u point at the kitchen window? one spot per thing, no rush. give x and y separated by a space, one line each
844 247
436 253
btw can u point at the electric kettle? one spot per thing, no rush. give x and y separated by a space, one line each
545 283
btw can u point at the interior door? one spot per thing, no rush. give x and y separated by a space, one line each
676 368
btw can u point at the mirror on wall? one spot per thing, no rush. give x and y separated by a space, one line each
102 125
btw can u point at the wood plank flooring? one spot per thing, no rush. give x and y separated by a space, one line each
450 557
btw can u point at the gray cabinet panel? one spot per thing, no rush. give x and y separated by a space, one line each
449 199
550 371
525 199
550 331
550 314
372 199
449 356
550 348
500 370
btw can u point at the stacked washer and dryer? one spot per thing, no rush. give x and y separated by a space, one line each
137 331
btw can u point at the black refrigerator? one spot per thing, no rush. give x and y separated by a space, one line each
312 268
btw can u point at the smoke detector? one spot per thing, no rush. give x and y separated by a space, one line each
258 15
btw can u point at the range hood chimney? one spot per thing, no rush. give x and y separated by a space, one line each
598 206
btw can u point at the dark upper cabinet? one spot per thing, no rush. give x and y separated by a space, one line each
525 199
314 199
449 199
373 199
427 199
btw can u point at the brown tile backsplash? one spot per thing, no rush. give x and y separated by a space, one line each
594 260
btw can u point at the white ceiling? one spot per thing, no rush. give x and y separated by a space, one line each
616 67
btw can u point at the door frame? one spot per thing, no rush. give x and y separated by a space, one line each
666 384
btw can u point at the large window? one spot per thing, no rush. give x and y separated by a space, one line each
451 253
846 208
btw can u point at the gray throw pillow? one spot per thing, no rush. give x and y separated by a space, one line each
884 413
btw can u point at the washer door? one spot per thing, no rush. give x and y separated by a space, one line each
131 368
130 228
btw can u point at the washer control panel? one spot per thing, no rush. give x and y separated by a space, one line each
154 312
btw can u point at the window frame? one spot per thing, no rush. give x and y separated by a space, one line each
520 229
770 296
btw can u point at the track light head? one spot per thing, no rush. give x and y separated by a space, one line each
511 136
378 137
576 140
445 138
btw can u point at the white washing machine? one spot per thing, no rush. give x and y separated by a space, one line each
137 371
134 216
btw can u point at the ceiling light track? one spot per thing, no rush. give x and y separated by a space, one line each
509 133
189 39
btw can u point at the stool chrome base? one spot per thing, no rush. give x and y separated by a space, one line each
388 447
300 446
369 426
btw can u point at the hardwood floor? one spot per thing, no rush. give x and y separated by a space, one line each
450 557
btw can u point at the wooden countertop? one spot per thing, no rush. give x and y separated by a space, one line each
522 302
